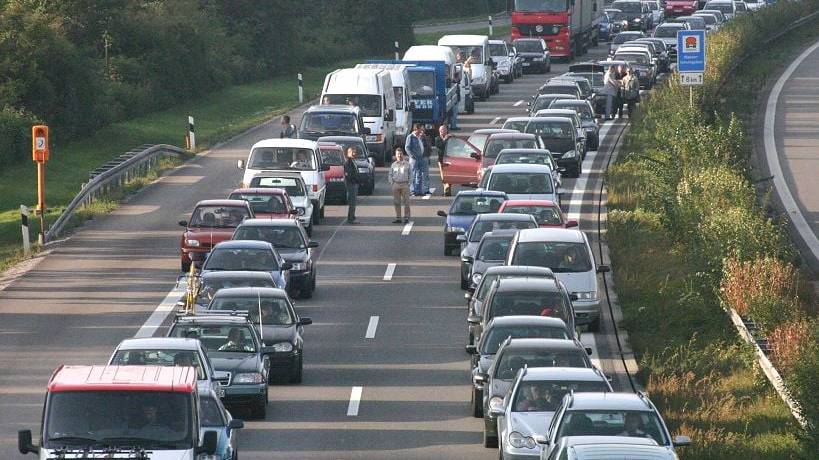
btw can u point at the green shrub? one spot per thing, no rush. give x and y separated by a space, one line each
803 381
15 135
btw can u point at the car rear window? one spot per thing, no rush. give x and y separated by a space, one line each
514 360
521 183
544 215
497 334
481 227
262 203
293 187
530 303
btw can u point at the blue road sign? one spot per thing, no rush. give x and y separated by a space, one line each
690 51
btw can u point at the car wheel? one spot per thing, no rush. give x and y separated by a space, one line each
309 230
297 371
259 411
186 265
321 215
477 403
488 440
594 326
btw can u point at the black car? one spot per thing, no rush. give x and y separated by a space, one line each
535 54
280 328
210 283
660 50
562 86
635 12
517 327
291 241
542 101
559 136
364 160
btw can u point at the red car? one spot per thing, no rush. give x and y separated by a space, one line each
333 156
547 213
266 203
680 7
211 222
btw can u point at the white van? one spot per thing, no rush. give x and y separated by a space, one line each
400 87
434 53
477 47
296 155
372 91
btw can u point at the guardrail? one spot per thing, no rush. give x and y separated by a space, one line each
112 176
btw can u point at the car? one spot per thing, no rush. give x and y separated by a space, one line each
291 155
491 252
500 141
586 89
559 135
503 59
529 295
656 9
628 415
562 86
587 120
522 182
694 22
514 355
293 245
482 224
296 189
648 47
624 37
636 13
249 256
542 101
342 119
214 417
363 160
529 156
727 7
210 283
640 60
333 157
515 123
667 32
211 222
280 328
266 203
532 401
547 213
611 23
462 212
479 137
711 21
233 346
592 447
571 115
568 254
661 52
461 161
497 331
754 5
680 7
535 54
720 16
594 73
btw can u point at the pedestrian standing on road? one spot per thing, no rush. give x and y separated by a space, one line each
631 90
440 146
288 129
611 86
427 158
621 94
399 177
414 147
351 182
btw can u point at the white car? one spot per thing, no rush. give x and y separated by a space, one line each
754 5
727 7
516 123
503 58
289 155
568 254
522 182
657 11
591 447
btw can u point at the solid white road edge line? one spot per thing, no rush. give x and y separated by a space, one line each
355 401
589 340
370 334
407 228
518 103
160 314
772 158
389 272
579 190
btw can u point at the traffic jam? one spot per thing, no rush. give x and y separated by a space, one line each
531 282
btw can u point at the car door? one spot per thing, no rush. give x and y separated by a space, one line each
461 162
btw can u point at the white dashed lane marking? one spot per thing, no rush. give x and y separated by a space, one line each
389 272
407 228
355 401
370 334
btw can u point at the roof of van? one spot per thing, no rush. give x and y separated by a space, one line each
293 143
430 53
123 378
468 40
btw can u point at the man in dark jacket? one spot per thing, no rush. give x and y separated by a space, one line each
351 181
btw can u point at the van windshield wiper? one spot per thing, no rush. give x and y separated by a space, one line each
74 440
139 442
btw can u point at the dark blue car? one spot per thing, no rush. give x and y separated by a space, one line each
611 23
462 212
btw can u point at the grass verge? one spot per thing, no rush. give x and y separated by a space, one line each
431 38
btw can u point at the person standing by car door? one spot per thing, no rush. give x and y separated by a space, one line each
611 86
351 182
415 148
288 129
440 145
427 158
399 177
631 91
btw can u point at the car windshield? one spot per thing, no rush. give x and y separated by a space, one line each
262 203
544 215
546 396
210 413
218 216
652 6
594 78
329 122
284 237
481 227
159 357
628 7
421 83
497 334
529 46
494 146
466 51
358 146
332 157
534 6
667 31
638 59
583 110
209 287
494 249
710 20
300 159
640 424
468 205
478 140
147 419
615 15
498 50
292 186
559 89
561 257
517 125
370 104
521 183
241 259
543 101
536 303
228 338
514 360
551 129
529 158
274 311
727 8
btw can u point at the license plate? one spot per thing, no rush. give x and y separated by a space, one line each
678 11
525 64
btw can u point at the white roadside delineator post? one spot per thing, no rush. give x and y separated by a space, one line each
396 52
24 221
301 89
191 135
491 31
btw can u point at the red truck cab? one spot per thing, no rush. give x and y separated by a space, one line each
552 26
266 203
680 7
211 222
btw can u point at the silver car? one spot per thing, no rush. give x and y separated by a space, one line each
486 223
592 447
533 400
491 252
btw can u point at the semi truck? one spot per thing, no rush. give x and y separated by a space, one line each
569 27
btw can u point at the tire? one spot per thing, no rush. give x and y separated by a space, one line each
446 250
594 326
476 405
259 411
464 284
185 265
306 293
298 371
321 215
576 172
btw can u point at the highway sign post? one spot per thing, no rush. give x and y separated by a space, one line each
40 154
691 59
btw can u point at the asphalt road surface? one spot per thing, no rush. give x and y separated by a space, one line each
106 282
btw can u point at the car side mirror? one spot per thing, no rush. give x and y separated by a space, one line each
183 223
209 440
472 349
496 412
469 259
573 297
603 269
540 439
571 224
511 55
287 265
324 167
305 321
473 319
468 296
294 212
479 379
589 351
221 375
441 213
236 424
461 238
24 443
313 244
267 350
240 164
680 441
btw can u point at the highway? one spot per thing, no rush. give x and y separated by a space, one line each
385 369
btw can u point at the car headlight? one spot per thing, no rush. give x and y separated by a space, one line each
589 129
374 137
298 266
364 170
570 154
449 229
520 441
301 211
496 403
283 347
192 243
248 378
591 295
636 19
476 278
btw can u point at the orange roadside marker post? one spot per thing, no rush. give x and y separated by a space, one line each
40 154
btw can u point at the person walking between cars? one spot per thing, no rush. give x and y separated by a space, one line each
631 91
399 177
351 182
288 129
611 86
440 146
414 147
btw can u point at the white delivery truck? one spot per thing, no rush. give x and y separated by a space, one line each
372 91
400 87
474 50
